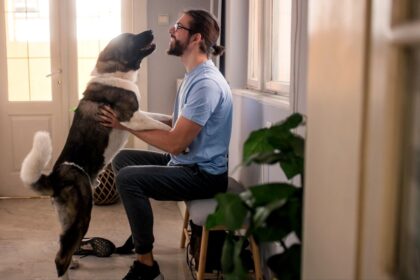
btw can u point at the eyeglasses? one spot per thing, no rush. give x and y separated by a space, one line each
179 26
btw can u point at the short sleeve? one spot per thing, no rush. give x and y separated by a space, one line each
201 101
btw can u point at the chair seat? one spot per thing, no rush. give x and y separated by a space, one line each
199 209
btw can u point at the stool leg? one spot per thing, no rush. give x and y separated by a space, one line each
256 257
185 228
203 254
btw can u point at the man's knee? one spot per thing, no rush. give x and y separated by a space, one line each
131 179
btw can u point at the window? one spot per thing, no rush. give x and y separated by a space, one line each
270 46
28 50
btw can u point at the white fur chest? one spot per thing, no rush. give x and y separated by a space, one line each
121 80
117 140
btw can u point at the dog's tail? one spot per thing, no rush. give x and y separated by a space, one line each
35 162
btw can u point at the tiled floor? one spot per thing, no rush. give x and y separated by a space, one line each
29 232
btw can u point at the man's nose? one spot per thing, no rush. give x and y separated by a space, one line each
171 30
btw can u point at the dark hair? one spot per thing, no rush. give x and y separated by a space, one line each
204 23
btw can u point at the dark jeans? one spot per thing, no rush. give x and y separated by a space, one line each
143 174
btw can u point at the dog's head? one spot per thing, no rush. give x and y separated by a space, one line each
125 52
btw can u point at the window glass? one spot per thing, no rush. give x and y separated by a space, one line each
254 58
98 21
28 50
280 47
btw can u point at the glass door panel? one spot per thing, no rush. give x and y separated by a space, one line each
98 21
28 50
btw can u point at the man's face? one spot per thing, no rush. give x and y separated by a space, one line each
180 36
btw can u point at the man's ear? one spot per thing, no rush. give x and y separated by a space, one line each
197 37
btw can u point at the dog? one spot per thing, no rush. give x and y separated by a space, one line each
91 146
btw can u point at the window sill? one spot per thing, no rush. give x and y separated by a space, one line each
263 97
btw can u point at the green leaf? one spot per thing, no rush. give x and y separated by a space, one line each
228 254
293 121
261 213
292 166
266 201
277 144
230 212
267 193
270 157
257 142
294 209
298 145
239 271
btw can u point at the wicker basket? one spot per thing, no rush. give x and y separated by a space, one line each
105 191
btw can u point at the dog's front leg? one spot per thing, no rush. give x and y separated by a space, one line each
158 116
65 276
141 121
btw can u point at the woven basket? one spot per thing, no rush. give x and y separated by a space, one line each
105 191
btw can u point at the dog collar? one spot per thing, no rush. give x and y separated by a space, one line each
78 167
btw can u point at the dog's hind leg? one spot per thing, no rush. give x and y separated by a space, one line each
74 205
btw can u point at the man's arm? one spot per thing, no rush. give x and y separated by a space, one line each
174 141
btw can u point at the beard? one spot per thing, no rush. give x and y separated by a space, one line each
176 49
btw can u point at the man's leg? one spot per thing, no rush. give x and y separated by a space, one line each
136 184
129 157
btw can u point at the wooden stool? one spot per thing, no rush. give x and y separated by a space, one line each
197 211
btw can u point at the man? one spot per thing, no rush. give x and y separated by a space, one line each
195 164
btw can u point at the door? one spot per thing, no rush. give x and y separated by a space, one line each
45 71
390 228
31 79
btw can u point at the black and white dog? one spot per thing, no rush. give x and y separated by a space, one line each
90 146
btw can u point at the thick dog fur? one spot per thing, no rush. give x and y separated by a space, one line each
90 146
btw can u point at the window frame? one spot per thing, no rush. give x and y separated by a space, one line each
255 45
259 48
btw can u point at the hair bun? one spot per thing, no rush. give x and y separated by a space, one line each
218 50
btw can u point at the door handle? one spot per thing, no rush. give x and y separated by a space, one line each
54 73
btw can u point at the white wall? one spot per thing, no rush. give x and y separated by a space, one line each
236 42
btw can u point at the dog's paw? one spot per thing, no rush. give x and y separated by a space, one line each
74 264
165 118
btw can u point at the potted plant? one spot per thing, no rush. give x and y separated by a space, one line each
272 210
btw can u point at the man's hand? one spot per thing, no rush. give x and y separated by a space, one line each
108 118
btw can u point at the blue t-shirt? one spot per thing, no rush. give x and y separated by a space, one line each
205 98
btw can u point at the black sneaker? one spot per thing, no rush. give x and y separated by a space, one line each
139 271
127 248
